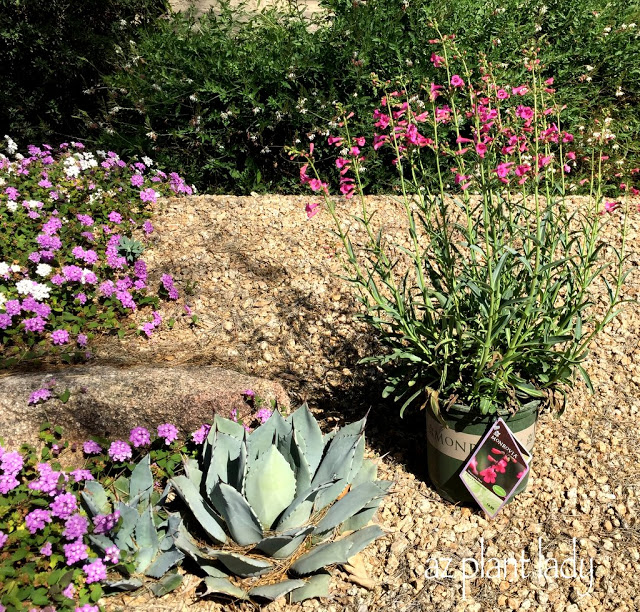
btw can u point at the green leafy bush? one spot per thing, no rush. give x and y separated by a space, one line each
219 101
51 51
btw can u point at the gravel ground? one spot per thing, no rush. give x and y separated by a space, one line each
262 279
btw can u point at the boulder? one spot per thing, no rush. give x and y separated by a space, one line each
108 401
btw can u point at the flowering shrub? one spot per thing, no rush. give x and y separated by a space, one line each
67 264
488 304
224 124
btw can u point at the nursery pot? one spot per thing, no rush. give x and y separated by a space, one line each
450 446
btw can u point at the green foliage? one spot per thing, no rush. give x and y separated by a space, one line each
220 101
267 503
50 53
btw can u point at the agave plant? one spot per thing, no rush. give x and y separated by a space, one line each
146 533
278 506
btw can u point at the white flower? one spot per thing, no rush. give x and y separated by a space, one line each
588 68
25 286
12 205
193 97
3 299
4 268
15 268
147 161
43 269
619 92
40 292
12 147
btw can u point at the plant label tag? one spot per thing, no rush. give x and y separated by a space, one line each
496 467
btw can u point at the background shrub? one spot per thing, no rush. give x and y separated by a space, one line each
53 50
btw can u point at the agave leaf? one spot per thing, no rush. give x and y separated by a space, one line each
299 464
368 472
167 584
129 519
171 527
130 584
146 540
222 586
211 570
300 508
225 462
101 541
243 566
308 436
262 438
241 520
354 501
270 486
337 551
360 519
141 482
203 514
316 586
341 462
95 498
187 545
274 591
163 495
284 545
164 563
229 427
323 555
193 472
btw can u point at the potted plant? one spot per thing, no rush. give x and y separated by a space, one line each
486 307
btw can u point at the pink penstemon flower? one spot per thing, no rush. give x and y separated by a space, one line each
437 60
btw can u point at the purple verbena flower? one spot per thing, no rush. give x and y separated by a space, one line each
80 475
103 523
46 550
60 336
39 395
81 340
168 431
119 451
36 520
11 463
64 505
69 591
115 217
8 482
112 554
75 551
75 527
3 539
91 447
140 437
263 415
201 434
